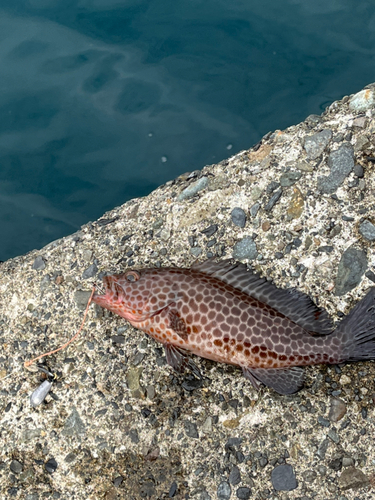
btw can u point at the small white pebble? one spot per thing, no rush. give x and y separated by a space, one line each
345 380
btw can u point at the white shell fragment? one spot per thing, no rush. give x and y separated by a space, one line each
39 395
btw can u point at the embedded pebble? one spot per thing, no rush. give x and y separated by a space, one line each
207 426
358 170
309 476
289 178
224 491
367 230
133 376
273 200
370 275
39 263
235 476
245 249
296 205
352 479
337 410
196 251
304 166
254 209
332 434
341 163
81 298
362 101
272 186
345 380
172 490
118 339
193 189
16 466
243 493
238 217
191 429
352 266
73 425
322 449
51 465
118 481
315 144
283 478
210 230
90 272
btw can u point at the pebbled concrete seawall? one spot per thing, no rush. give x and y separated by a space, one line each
118 423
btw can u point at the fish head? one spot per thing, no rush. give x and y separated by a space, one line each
137 295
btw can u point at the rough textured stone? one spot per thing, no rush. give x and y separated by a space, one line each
296 205
341 163
367 230
245 249
235 476
337 410
90 272
224 491
16 466
283 478
315 144
193 189
289 178
352 479
39 263
273 200
98 427
238 217
254 209
133 376
191 429
243 493
74 425
362 101
352 266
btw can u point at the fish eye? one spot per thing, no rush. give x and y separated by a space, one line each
132 276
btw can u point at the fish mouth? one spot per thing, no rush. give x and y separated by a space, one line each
110 292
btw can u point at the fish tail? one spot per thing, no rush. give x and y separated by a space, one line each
357 331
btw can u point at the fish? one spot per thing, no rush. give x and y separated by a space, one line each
228 313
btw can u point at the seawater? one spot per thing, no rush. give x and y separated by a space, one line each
104 100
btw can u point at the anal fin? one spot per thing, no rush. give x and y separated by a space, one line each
282 380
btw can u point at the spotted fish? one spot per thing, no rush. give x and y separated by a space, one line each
227 313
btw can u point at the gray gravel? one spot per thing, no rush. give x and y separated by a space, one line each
118 422
352 265
245 249
367 230
315 144
341 163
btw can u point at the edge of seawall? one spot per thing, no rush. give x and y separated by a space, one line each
299 207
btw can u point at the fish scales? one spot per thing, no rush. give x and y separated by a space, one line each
229 314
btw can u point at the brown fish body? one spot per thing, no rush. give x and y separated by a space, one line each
226 313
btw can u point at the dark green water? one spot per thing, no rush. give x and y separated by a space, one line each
103 100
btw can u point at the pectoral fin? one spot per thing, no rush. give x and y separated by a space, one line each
282 380
179 361
178 324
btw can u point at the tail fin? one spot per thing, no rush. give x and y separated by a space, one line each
357 330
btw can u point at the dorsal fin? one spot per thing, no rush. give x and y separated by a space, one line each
293 304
